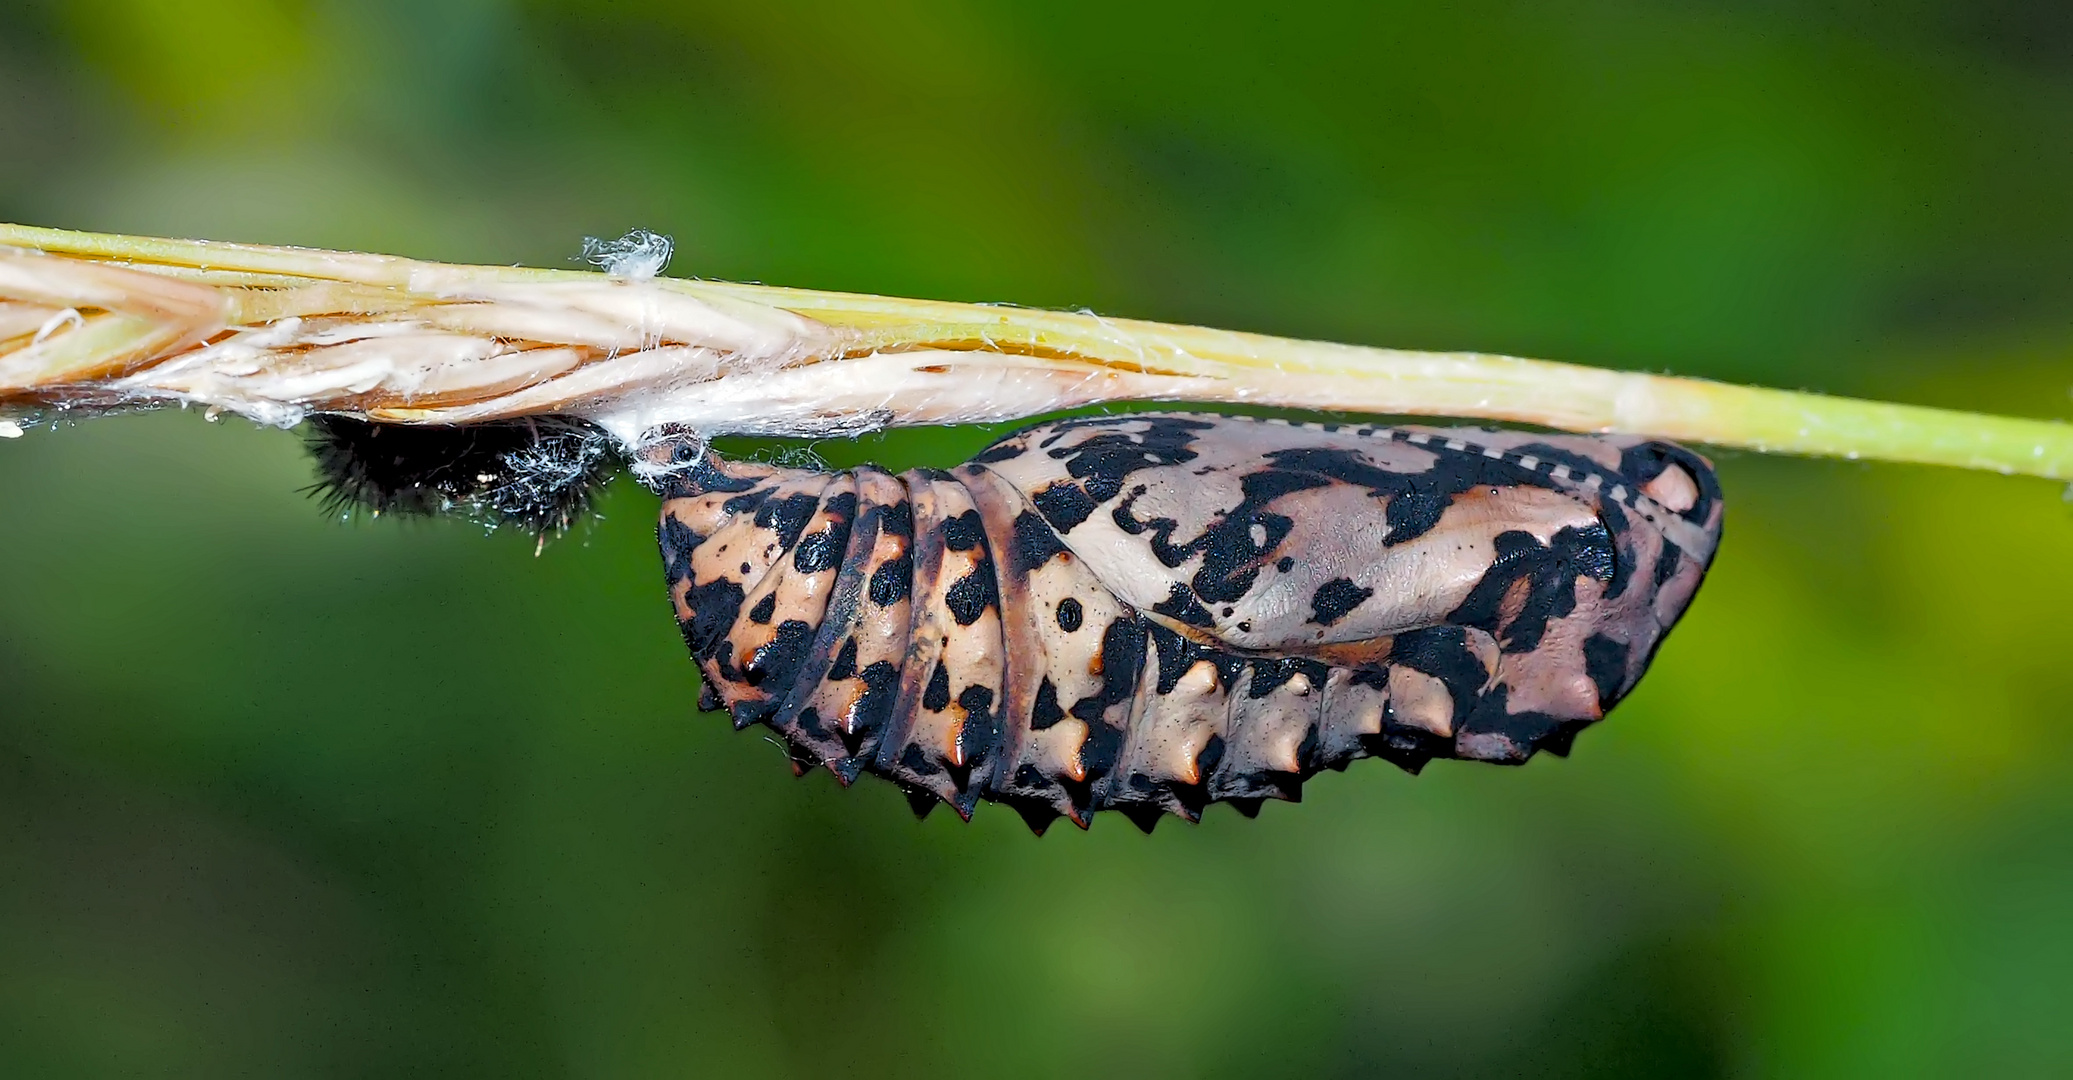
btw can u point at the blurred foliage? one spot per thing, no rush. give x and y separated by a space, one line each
288 797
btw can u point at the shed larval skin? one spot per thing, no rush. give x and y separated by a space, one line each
1151 613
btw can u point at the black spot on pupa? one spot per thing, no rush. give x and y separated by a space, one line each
1306 751
746 501
1122 653
1646 461
1230 547
873 708
1035 543
1069 615
778 660
764 609
1172 654
714 607
913 759
1064 505
897 519
748 712
964 532
893 580
1006 450
811 724
1271 675
820 550
1098 752
1587 551
1550 571
1104 462
1442 652
968 597
1046 712
787 517
936 697
977 703
1605 661
1180 604
1415 501
678 542
1667 563
707 472
1334 599
1492 732
842 506
845 666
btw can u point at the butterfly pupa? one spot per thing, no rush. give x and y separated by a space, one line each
1155 612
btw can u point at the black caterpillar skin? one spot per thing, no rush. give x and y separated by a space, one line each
535 473
1152 613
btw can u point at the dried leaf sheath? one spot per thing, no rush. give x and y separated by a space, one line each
96 322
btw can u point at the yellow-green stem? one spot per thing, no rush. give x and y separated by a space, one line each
263 283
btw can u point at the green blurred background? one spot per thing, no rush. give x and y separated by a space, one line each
284 796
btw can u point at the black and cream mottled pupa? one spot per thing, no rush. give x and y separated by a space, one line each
1154 612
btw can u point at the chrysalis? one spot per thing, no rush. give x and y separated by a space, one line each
1151 613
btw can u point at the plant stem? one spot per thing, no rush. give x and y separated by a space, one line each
1027 361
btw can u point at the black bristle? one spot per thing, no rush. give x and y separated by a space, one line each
538 474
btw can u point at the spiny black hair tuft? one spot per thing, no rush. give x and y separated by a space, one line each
538 473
